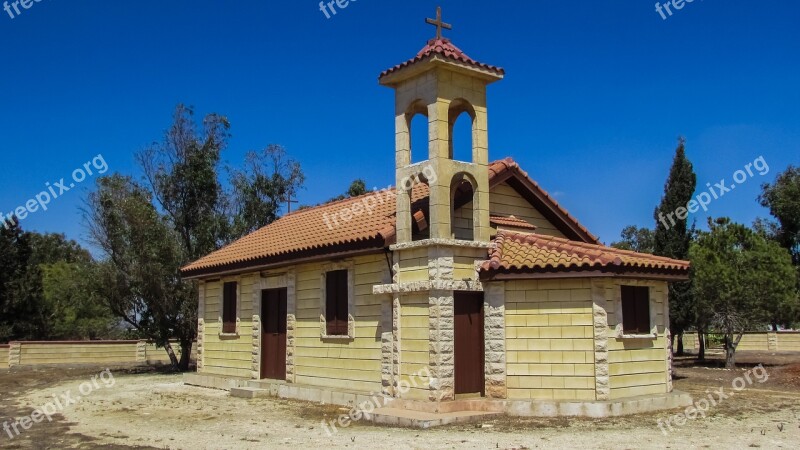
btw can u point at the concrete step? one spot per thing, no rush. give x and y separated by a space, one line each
419 419
249 392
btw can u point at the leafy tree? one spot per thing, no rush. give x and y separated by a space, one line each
745 280
183 176
636 239
140 277
149 231
51 248
672 239
783 200
20 286
258 194
71 307
357 187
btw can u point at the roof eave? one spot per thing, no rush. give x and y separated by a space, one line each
396 75
369 246
500 274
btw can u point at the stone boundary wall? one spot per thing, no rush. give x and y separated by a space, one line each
771 341
46 353
4 350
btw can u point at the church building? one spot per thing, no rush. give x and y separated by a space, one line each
465 288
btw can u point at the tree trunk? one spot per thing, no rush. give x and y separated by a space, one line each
172 358
680 345
186 356
701 352
730 349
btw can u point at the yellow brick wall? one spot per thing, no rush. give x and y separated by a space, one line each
755 341
505 201
3 356
550 340
352 365
464 263
229 356
789 342
636 366
158 355
414 338
414 265
43 353
463 222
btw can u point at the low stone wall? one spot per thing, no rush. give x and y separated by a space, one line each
46 353
780 341
4 349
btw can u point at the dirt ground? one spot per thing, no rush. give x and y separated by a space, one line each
145 408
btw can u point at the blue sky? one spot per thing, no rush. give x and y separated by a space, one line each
595 95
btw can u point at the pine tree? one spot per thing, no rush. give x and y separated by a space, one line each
673 236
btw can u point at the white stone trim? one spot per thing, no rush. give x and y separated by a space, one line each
441 323
238 281
348 265
439 242
431 285
494 307
601 334
618 332
201 325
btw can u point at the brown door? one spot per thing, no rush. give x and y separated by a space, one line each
273 337
469 343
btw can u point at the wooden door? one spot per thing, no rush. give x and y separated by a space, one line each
469 351
273 335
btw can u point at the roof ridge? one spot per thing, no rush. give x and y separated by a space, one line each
334 202
545 253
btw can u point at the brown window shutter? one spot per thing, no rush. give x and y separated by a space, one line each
336 302
330 303
635 309
643 309
628 309
229 307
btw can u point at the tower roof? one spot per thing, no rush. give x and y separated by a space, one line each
445 49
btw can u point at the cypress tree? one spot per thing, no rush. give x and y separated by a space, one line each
673 237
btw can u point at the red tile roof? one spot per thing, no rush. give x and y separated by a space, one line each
443 47
321 230
535 253
318 230
511 221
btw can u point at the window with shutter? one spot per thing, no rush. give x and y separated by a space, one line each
635 310
336 294
229 308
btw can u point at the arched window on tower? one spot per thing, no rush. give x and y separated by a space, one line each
462 195
420 212
417 117
462 126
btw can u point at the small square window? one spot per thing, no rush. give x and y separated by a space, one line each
635 310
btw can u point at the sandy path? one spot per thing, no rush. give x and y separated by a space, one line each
158 410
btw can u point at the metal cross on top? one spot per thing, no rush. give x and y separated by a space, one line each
438 23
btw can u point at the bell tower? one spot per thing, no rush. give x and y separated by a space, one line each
443 229
442 83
